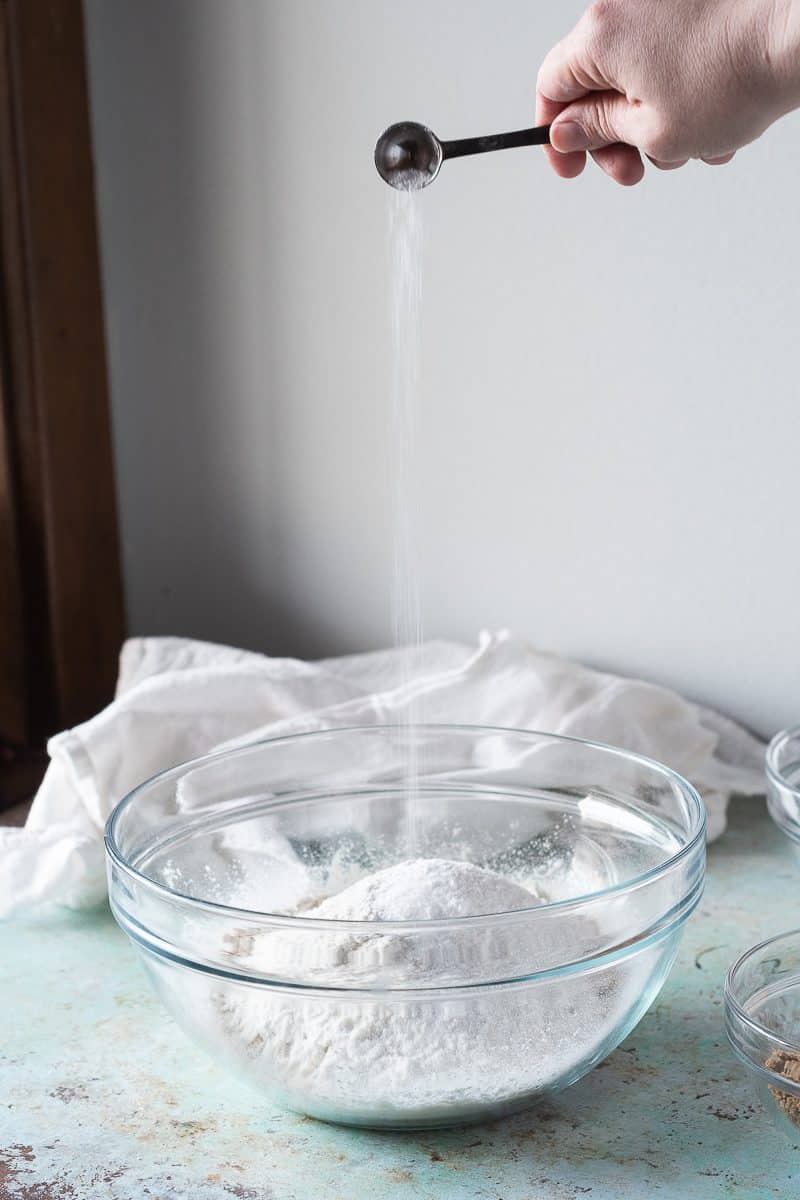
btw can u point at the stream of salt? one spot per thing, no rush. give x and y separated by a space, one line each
405 241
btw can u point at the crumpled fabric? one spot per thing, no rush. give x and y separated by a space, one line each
177 699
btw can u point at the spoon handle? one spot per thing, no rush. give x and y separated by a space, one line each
540 136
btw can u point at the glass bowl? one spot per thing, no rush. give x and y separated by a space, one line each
762 1017
783 784
214 868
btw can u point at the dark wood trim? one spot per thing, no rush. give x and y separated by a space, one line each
58 524
13 703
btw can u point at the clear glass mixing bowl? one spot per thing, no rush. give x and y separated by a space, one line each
762 1018
212 867
783 784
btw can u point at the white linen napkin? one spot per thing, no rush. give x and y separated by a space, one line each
178 698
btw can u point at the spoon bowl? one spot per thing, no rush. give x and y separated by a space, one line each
408 156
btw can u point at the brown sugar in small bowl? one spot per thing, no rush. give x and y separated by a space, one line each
762 1018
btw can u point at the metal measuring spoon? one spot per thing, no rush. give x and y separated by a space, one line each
409 156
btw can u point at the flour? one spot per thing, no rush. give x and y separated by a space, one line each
425 889
412 1055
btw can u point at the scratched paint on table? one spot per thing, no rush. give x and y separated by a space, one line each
102 1098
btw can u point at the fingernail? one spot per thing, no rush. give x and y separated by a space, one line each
567 136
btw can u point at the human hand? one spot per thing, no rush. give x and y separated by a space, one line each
678 80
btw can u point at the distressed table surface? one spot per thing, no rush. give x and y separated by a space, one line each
101 1097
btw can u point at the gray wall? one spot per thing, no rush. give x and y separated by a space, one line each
609 439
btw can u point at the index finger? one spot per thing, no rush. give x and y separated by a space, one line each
566 74
567 166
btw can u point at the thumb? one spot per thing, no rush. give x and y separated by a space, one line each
597 120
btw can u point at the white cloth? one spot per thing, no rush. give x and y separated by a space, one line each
177 699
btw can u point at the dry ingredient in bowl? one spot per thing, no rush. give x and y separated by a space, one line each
406 1055
787 1064
426 889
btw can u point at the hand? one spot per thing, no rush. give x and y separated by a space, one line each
678 80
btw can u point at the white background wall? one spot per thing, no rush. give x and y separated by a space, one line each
611 421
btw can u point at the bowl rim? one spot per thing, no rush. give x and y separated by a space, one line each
773 746
738 1017
775 776
696 835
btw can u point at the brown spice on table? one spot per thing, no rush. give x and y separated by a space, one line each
788 1065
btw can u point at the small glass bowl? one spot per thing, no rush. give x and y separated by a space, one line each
762 1020
783 784
416 1023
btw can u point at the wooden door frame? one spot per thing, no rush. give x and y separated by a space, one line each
61 605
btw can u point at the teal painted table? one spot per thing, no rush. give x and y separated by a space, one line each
101 1097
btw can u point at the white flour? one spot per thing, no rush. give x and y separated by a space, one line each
425 889
375 1056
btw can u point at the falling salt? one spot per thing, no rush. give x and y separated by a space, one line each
405 239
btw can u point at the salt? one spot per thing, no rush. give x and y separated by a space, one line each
405 241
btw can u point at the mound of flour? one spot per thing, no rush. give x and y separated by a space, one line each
375 1056
425 889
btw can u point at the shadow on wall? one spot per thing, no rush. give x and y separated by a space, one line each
179 102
